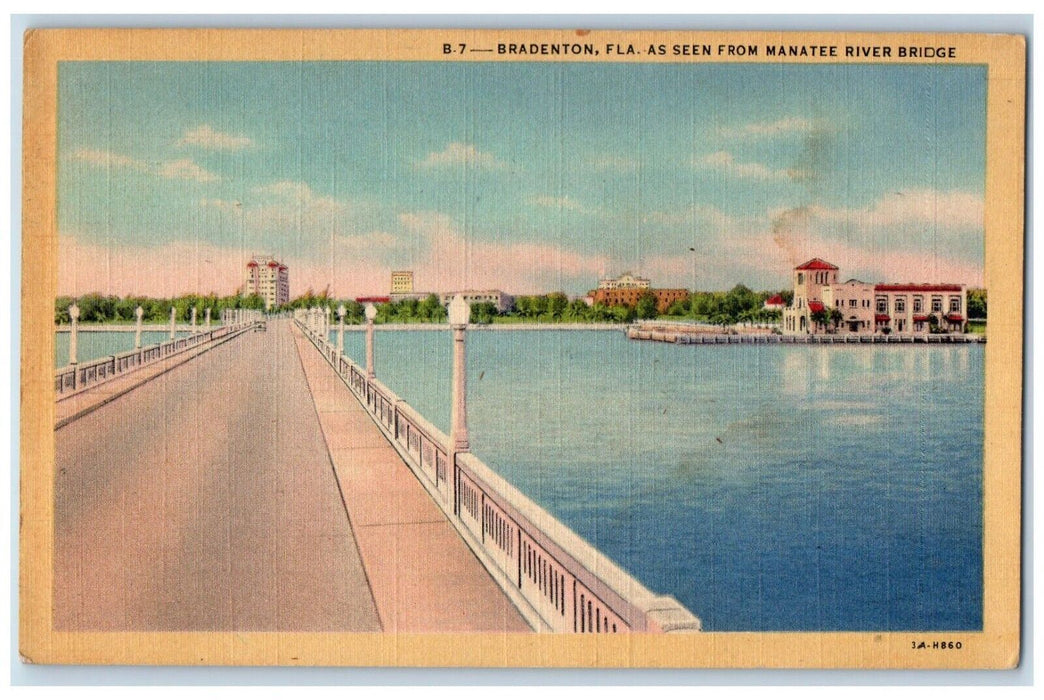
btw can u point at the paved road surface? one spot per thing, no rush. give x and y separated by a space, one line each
205 500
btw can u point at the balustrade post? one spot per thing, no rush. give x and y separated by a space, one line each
74 318
371 313
459 313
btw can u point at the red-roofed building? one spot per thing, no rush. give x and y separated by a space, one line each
816 264
809 278
858 307
775 303
917 308
269 279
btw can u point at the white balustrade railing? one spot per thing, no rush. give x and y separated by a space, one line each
75 378
557 580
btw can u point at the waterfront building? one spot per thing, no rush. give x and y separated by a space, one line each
629 296
402 282
774 303
914 308
854 301
269 279
402 287
624 281
503 302
822 304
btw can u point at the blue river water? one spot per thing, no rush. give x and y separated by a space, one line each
766 487
90 345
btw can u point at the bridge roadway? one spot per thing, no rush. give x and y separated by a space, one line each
206 499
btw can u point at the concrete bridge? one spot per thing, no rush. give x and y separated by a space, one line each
259 481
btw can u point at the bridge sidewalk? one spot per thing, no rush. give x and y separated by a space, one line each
69 408
422 575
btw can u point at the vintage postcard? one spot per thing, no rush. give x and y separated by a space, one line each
522 348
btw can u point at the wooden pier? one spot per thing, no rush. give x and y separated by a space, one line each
682 338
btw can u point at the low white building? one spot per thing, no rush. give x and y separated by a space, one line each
624 281
503 302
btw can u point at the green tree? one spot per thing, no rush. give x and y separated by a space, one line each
556 304
622 314
646 306
977 303
432 310
483 312
680 307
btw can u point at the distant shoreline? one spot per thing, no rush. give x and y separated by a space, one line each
130 327
488 327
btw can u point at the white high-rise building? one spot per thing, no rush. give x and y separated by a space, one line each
269 279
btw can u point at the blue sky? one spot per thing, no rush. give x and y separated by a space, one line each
523 176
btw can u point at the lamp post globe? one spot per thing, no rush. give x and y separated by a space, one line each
459 311
371 312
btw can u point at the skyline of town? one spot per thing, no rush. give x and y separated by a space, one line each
170 175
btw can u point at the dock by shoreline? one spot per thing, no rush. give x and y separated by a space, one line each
821 339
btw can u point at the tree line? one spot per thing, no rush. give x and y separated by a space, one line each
99 308
738 305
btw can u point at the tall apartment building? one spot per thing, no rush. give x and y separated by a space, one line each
861 307
269 279
402 282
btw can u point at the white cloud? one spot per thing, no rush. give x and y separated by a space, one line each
727 163
453 260
185 169
458 153
223 205
205 136
767 129
778 252
108 159
918 207
181 169
300 194
176 267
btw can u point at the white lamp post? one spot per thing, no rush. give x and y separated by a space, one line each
173 315
340 329
459 313
692 294
371 313
193 320
206 318
74 317
138 313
